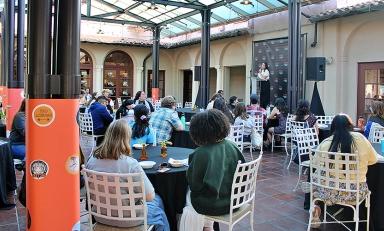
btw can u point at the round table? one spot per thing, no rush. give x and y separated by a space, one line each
182 139
188 112
172 185
325 132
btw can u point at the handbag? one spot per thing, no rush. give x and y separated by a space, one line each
256 138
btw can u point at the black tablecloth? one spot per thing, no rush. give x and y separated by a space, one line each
3 131
325 132
172 185
183 139
7 172
188 112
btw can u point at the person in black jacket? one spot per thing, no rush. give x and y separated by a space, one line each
141 98
125 109
17 136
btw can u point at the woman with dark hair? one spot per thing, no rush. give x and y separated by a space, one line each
279 113
141 98
263 76
212 100
233 101
126 109
212 165
17 136
377 116
344 140
303 114
220 105
141 132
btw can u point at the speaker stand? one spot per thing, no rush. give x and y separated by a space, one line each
316 105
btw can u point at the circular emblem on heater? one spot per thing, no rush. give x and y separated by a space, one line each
43 115
39 169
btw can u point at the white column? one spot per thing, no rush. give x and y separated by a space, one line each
219 79
195 86
98 79
138 80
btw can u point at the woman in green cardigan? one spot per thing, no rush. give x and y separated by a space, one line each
212 165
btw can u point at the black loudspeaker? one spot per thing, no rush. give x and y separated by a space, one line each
197 73
316 69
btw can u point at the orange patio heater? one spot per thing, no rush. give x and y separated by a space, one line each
53 191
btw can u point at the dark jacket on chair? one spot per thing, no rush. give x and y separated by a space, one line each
101 118
17 135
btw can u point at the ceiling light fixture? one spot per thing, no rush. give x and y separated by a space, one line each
152 6
246 2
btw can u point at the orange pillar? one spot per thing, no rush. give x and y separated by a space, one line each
155 93
53 165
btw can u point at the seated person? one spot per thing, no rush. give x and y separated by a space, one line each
141 132
17 136
212 165
106 93
165 120
344 140
243 118
100 115
113 156
303 114
377 116
255 107
220 105
279 113
141 98
212 100
126 109
233 101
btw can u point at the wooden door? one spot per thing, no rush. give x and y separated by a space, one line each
187 86
370 86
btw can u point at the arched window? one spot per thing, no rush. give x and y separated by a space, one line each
86 70
118 74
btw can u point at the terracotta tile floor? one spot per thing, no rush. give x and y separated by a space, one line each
277 206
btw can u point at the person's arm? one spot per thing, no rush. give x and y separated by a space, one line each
20 124
151 136
273 113
151 106
176 122
106 116
366 147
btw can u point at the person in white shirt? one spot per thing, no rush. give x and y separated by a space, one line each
242 118
265 92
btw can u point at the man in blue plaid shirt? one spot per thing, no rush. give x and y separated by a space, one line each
164 120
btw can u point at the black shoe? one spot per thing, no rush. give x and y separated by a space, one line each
7 206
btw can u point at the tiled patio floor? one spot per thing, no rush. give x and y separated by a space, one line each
277 206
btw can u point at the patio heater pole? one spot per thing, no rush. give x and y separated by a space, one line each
155 62
16 83
3 79
205 56
9 47
294 48
52 133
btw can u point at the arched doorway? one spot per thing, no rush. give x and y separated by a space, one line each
118 74
86 70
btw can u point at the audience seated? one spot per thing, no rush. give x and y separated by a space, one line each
233 101
212 165
220 105
141 98
243 118
113 156
126 109
303 114
142 133
377 116
17 135
100 115
212 100
255 106
106 93
279 113
344 140
166 119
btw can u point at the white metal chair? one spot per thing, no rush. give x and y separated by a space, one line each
324 120
188 105
88 139
295 125
337 172
306 140
242 194
375 128
258 127
286 136
236 135
116 197
157 105
378 134
179 105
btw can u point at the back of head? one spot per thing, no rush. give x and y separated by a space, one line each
102 99
215 96
137 96
232 99
341 129
302 110
209 127
116 141
254 99
127 102
378 108
240 110
139 129
281 106
220 104
168 102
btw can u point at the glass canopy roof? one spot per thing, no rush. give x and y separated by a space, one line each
177 16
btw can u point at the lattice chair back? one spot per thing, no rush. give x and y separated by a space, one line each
325 120
375 128
119 102
188 105
306 140
378 134
87 144
244 184
288 127
157 105
179 105
86 123
335 171
118 197
297 125
236 135
259 122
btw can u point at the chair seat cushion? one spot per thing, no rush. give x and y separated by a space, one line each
102 227
236 215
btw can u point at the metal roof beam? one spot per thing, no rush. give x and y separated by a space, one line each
89 8
173 3
108 14
282 2
237 10
96 19
189 14
218 18
222 3
267 4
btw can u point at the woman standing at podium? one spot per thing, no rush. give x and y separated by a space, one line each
263 76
